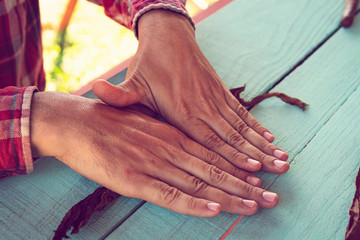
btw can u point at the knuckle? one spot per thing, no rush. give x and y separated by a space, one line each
241 143
262 157
204 104
265 145
212 141
237 173
257 125
247 189
184 110
236 155
169 195
242 128
193 203
198 186
242 111
212 157
268 147
152 163
217 176
232 137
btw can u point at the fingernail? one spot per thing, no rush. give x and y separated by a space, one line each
278 153
269 196
252 162
213 206
253 180
249 203
268 136
279 163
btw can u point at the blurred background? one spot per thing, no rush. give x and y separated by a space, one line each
92 45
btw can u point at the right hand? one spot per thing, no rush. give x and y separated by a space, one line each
138 156
170 75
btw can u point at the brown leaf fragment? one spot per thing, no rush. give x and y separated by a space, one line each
80 213
293 101
349 13
353 227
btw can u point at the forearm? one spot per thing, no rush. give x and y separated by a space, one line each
56 119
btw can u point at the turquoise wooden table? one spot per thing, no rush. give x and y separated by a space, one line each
295 47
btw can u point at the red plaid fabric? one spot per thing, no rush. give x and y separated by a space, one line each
15 149
20 44
21 65
127 12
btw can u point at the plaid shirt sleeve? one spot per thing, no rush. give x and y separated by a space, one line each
21 65
128 12
15 149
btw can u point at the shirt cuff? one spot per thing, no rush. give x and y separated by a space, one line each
15 147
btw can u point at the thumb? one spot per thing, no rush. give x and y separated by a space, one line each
122 95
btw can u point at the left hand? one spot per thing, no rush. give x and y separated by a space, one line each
170 75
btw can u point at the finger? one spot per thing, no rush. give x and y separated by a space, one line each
233 138
203 134
211 175
248 118
122 95
228 183
218 178
164 195
269 163
198 188
213 141
213 158
234 130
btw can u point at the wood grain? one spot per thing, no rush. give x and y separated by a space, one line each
32 206
317 192
327 81
257 42
254 42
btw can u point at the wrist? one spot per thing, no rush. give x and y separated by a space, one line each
51 113
160 24
40 134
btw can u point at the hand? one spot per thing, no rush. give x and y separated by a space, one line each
170 75
138 156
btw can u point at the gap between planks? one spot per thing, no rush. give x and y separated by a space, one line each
123 220
298 64
231 228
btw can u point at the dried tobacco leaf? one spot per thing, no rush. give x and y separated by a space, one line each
353 227
349 13
293 101
79 214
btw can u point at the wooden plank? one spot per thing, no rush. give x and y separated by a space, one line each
257 42
325 81
257 50
32 206
318 191
327 164
35 204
